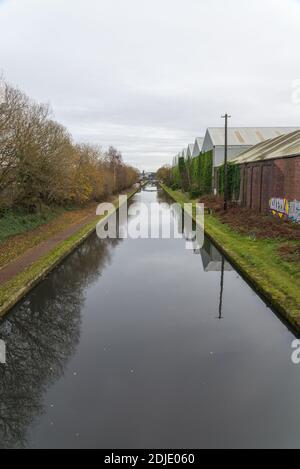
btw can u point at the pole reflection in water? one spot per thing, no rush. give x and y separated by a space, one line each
212 259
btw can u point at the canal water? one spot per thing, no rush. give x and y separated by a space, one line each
145 344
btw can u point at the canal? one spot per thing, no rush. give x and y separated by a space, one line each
145 344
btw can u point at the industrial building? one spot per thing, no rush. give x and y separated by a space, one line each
270 176
198 146
240 139
190 151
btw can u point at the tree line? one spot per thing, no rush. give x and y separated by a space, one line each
40 165
164 174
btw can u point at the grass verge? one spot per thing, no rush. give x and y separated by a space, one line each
15 289
259 262
16 222
16 245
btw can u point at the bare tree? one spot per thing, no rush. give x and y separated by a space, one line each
40 165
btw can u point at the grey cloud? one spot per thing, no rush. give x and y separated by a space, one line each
151 76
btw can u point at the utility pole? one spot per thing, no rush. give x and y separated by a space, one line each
226 117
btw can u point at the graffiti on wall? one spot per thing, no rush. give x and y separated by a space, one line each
294 211
279 207
282 208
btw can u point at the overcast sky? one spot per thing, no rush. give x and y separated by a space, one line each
150 76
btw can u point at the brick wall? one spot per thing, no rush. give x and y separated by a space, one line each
256 185
264 180
290 167
267 183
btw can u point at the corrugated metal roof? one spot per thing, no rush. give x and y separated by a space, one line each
190 150
176 158
197 146
279 147
200 141
247 135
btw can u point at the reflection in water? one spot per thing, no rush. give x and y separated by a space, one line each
212 259
42 336
150 187
188 228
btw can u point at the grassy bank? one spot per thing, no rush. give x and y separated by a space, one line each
15 289
15 222
259 262
36 229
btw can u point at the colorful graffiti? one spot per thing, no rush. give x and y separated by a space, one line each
282 208
294 211
279 207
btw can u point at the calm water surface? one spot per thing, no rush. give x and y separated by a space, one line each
144 344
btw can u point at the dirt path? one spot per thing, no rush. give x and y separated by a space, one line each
35 253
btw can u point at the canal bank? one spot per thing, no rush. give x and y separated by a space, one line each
258 261
32 268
